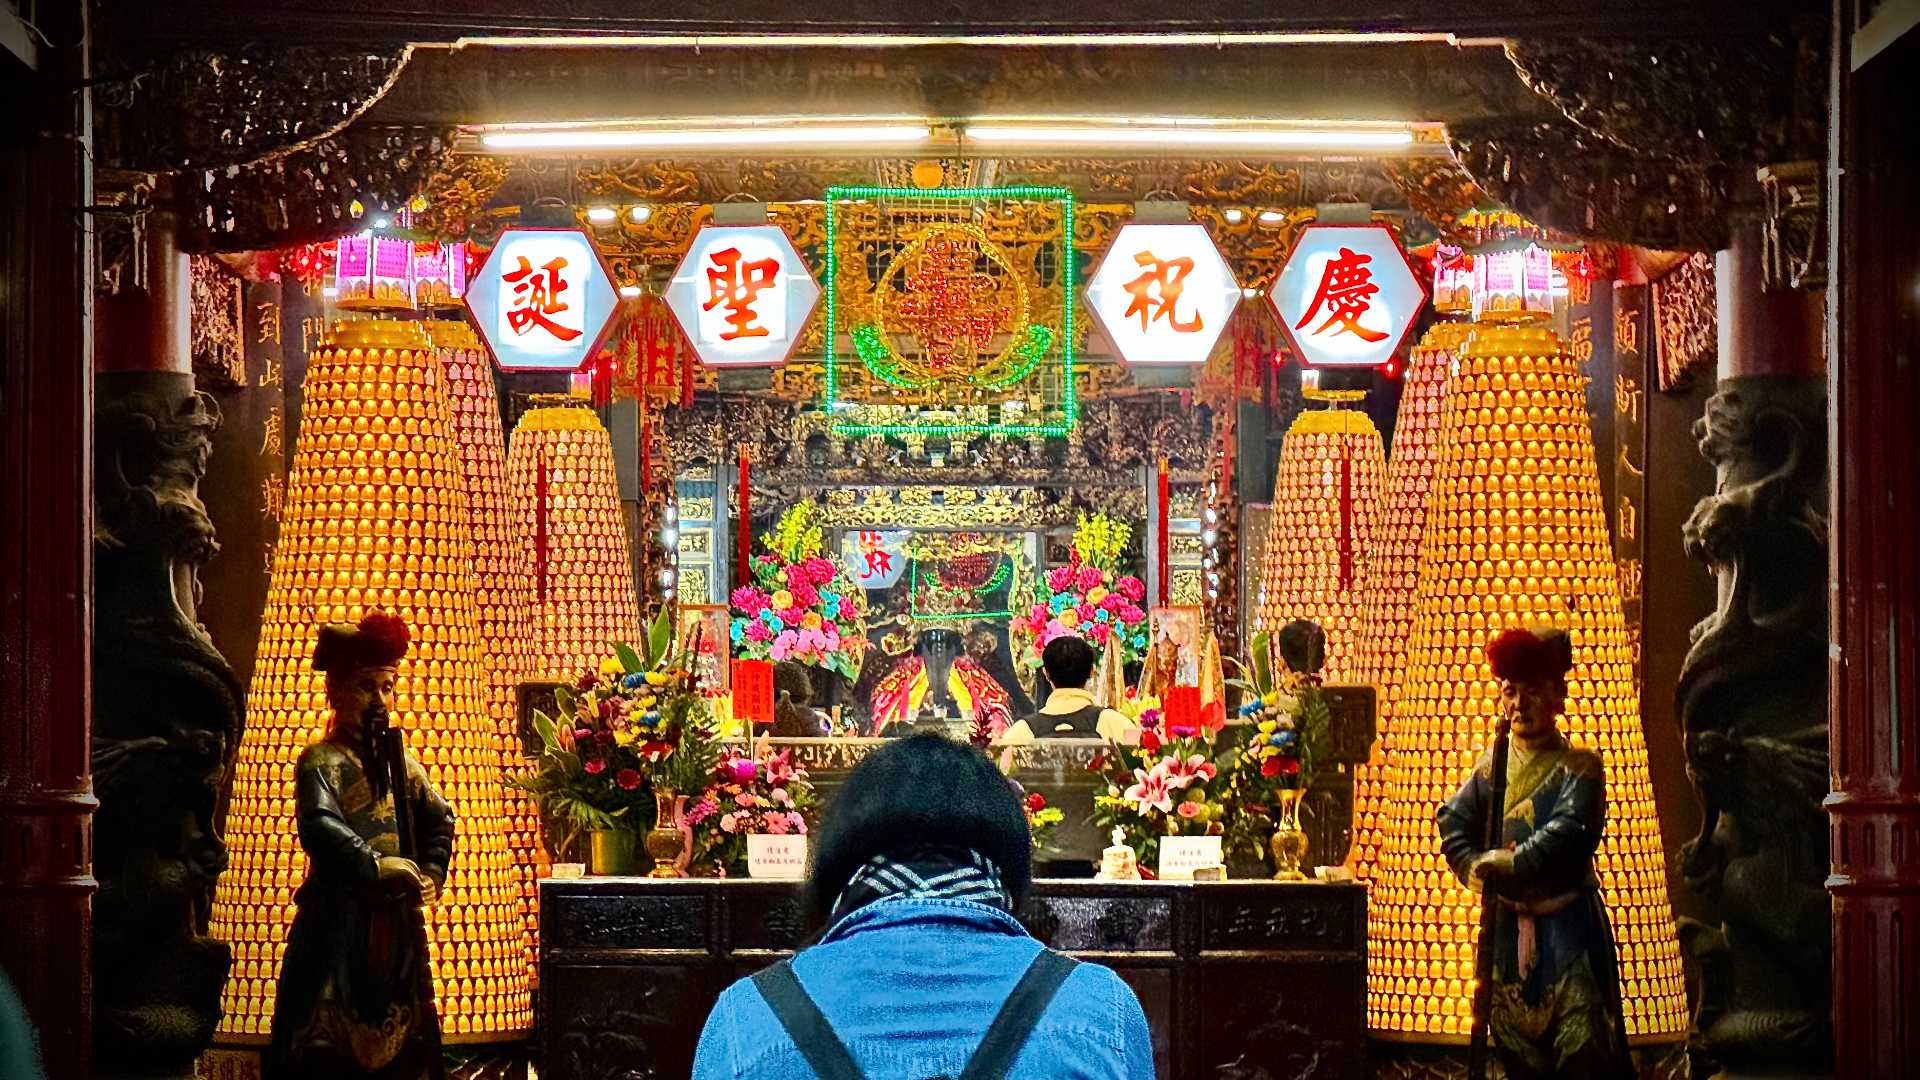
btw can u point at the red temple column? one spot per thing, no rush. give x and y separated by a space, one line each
1874 384
46 453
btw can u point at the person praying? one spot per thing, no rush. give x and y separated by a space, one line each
1070 712
355 995
1556 1008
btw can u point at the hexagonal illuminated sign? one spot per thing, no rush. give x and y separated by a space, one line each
1162 294
742 295
1346 295
544 300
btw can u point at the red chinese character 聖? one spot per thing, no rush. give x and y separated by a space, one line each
536 296
1347 290
735 283
1169 277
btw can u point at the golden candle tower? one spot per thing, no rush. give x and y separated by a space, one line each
1387 608
500 582
1515 535
580 560
376 516
1326 502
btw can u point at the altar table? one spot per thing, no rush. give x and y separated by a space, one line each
1241 980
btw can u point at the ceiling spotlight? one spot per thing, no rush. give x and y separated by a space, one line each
601 215
639 214
629 291
1271 217
1235 215
1249 292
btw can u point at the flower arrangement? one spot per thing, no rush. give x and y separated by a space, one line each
636 722
1089 597
1287 718
801 605
1286 729
1172 784
1042 820
751 793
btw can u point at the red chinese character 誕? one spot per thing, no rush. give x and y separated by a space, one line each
536 295
735 283
1168 278
1347 291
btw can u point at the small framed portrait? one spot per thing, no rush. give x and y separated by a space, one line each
703 630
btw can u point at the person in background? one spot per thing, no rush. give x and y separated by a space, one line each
19 1049
793 713
923 971
1556 978
1070 712
355 996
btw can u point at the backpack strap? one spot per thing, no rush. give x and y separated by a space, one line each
1018 1016
805 1024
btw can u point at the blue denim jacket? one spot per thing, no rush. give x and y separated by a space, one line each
910 986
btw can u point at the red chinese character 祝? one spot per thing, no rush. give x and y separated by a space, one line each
536 296
735 284
1169 277
1347 289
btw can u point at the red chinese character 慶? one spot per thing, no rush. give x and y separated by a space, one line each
735 284
536 295
1347 290
1169 277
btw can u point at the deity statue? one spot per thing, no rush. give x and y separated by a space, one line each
1556 1008
939 678
355 994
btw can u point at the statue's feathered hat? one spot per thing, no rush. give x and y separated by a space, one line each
379 641
1529 654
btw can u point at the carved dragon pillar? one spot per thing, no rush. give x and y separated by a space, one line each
166 706
1752 694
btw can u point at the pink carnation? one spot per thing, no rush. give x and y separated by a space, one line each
757 631
820 570
1133 587
744 770
1089 579
749 599
804 596
1060 578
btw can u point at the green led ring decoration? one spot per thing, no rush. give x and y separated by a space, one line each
1030 345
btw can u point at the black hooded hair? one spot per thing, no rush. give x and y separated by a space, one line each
921 793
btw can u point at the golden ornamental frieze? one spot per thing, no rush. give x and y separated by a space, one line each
943 508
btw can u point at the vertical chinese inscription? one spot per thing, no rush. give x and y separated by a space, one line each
1630 338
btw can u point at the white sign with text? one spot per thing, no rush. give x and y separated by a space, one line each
782 858
1180 855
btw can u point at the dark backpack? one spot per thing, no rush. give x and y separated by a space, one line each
809 1030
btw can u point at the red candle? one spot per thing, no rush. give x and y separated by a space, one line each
744 526
1160 536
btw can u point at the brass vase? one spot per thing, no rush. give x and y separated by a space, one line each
1289 844
610 852
669 841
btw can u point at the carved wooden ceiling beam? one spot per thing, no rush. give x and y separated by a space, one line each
438 21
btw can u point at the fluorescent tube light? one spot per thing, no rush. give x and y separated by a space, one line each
1197 135
769 134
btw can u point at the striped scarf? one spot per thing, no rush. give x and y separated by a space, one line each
944 874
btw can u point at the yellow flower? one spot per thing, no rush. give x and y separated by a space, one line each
644 701
1098 594
1267 727
611 666
783 599
1070 618
812 621
1271 699
656 678
625 738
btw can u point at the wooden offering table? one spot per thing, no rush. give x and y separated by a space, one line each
1255 980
